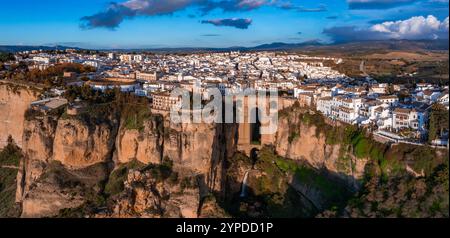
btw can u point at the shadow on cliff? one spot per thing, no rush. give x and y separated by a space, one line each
280 188
224 146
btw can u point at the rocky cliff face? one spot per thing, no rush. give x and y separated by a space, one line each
14 101
80 145
303 142
149 196
63 148
145 146
64 161
81 165
38 140
194 149
60 148
200 149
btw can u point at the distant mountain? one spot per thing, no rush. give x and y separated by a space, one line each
392 45
17 48
265 47
350 47
407 45
286 46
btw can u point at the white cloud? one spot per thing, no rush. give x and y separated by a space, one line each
444 25
417 27
414 28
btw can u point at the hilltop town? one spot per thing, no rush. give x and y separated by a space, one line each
392 112
93 128
247 110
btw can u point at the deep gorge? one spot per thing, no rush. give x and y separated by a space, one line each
107 163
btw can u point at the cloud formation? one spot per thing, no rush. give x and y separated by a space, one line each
415 28
236 5
287 5
320 8
239 23
116 13
377 4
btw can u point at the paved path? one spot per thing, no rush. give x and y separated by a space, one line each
9 167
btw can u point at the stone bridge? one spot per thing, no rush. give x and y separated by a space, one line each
249 134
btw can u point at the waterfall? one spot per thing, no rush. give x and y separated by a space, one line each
244 185
253 157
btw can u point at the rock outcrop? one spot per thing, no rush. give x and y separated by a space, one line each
14 101
60 188
80 145
142 145
64 161
200 149
298 141
38 138
194 149
148 196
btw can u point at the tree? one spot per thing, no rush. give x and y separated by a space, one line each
390 89
438 123
11 153
6 57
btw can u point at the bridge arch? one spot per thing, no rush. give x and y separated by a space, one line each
255 127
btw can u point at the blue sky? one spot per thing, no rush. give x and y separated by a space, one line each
216 23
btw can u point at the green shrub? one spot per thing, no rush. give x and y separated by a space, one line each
115 184
8 193
31 114
293 135
188 183
11 154
135 119
362 148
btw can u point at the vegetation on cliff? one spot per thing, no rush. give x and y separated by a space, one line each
439 122
32 114
52 76
354 143
280 187
113 189
115 184
406 181
400 180
132 110
9 161
403 196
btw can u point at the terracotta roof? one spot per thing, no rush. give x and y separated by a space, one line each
346 109
388 97
326 98
402 110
